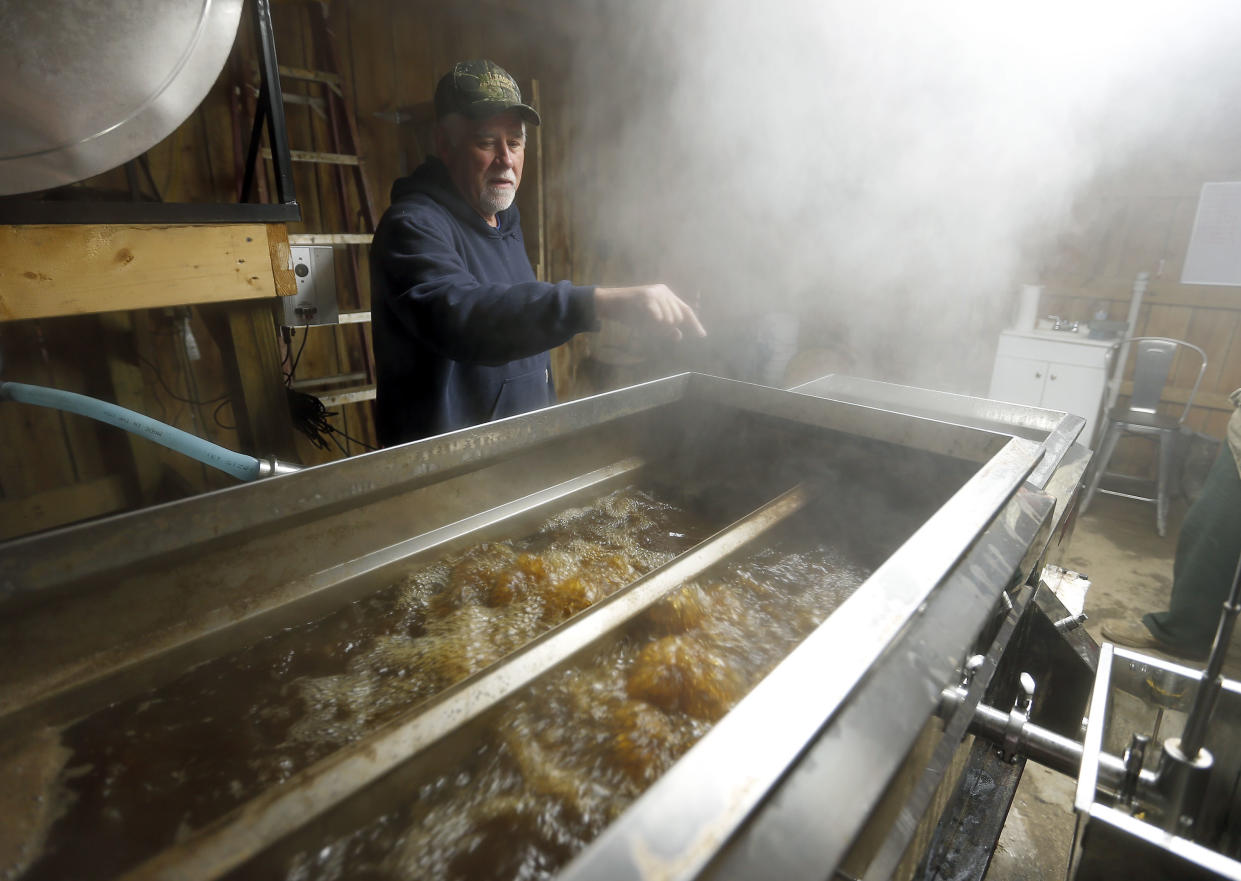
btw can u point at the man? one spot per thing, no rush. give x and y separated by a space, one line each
1207 552
461 327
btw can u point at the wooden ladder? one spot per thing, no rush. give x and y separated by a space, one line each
348 224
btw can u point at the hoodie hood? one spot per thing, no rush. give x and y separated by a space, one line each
431 179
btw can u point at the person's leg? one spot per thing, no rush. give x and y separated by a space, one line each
1206 560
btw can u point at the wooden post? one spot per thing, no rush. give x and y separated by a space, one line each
542 271
246 335
127 391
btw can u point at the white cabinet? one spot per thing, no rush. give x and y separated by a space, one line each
1054 369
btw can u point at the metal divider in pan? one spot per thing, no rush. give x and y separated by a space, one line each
667 835
369 571
264 821
317 594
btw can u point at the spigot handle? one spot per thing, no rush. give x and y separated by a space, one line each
1018 717
971 668
1027 691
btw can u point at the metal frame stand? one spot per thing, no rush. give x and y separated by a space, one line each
270 109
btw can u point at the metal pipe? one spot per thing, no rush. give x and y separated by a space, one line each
1184 765
1182 783
272 467
1212 677
1041 744
277 131
1118 369
256 140
258 824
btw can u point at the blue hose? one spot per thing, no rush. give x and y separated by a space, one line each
241 466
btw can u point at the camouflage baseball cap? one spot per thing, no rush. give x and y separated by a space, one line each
478 89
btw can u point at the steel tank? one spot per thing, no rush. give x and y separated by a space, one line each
919 522
85 87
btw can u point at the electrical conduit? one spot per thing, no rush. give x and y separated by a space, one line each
239 465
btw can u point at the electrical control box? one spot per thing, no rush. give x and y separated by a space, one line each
315 300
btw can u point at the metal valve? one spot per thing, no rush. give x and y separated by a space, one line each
1071 622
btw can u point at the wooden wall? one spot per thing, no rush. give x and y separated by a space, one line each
391 55
1140 220
59 468
56 469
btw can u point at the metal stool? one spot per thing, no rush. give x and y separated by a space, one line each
1152 364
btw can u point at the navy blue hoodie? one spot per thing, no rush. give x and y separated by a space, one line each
461 327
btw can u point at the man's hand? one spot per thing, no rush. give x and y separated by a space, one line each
649 307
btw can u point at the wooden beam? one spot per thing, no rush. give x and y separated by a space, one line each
345 396
331 238
65 504
1164 292
281 259
314 157
73 269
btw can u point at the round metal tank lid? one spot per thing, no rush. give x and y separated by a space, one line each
86 85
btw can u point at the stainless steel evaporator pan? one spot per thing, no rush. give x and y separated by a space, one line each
939 506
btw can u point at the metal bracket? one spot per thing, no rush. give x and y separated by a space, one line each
1018 717
270 109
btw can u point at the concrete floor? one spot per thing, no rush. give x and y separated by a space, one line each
1130 568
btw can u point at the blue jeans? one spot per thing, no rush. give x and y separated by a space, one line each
1206 561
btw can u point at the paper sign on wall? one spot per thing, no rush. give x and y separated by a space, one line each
1214 253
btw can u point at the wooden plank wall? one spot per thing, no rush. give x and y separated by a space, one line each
1142 223
58 468
392 55
330 202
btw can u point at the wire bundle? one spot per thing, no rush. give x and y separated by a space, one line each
309 415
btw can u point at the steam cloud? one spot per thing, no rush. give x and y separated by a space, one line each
891 170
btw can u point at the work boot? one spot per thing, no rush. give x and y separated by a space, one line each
1133 634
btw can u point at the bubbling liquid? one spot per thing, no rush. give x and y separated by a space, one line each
568 755
148 770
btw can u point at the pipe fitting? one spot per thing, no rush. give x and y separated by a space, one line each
273 467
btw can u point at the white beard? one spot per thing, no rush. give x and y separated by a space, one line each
496 199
